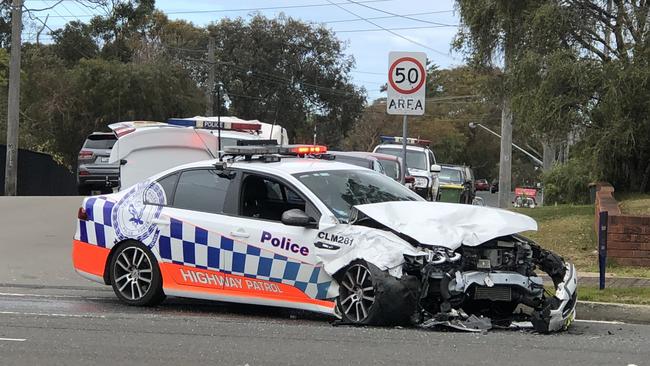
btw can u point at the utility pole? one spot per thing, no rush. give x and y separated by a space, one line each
505 160
209 112
13 108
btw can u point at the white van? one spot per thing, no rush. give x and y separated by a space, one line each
145 148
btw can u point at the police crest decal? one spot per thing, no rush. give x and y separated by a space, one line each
132 218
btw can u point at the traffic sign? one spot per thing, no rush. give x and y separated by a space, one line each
406 83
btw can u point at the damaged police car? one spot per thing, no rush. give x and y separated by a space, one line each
269 227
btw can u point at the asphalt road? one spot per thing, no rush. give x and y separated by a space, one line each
51 316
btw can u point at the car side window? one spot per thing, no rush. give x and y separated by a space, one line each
201 190
268 199
432 159
167 186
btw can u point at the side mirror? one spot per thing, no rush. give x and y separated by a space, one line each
435 168
297 217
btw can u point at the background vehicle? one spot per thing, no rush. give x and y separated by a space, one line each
494 187
455 185
386 164
482 185
420 163
94 171
146 148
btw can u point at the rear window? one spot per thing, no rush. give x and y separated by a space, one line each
100 142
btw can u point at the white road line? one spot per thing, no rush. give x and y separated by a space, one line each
13 339
13 294
52 314
598 321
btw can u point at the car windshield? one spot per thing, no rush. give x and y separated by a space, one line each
391 168
339 190
449 175
414 159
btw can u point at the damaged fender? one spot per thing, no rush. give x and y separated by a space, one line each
338 246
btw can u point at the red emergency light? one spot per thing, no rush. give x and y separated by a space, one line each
308 149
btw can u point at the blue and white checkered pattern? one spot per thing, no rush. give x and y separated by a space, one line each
98 229
189 245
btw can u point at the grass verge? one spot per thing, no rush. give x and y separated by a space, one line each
635 295
634 203
569 231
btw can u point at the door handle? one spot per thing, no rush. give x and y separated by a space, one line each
239 233
160 222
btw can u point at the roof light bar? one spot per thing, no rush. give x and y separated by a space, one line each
212 123
280 150
409 140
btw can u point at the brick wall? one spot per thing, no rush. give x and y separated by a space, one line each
628 236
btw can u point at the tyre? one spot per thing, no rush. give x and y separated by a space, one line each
370 296
135 275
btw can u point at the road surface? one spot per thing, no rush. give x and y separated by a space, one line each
51 316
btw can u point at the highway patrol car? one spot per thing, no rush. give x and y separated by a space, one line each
270 227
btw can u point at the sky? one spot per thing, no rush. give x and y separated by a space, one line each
425 26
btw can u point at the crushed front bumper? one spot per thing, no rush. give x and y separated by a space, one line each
560 310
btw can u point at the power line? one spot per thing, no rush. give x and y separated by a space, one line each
388 30
234 10
386 17
360 3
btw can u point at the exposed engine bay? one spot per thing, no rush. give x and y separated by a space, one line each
496 280
440 264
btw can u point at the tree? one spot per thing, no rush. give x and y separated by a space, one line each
276 70
74 42
64 105
491 28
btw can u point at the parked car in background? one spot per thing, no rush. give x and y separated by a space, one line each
495 186
94 172
420 163
386 164
481 185
455 185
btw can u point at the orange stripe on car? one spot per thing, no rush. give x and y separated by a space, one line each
89 258
184 278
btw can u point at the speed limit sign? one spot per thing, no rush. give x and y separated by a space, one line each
406 83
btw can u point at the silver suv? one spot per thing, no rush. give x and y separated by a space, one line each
93 170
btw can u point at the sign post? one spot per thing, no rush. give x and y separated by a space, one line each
406 89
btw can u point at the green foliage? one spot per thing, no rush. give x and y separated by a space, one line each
136 64
63 107
568 183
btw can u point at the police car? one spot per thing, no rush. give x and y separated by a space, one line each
267 226
420 162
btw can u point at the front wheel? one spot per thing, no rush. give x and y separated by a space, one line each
356 300
135 276
370 296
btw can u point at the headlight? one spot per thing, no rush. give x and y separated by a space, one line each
421 182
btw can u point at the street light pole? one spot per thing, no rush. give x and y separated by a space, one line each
533 157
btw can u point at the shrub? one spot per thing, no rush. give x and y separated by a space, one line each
568 183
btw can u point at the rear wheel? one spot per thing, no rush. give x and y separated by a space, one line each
135 275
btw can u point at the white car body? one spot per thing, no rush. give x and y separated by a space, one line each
229 256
